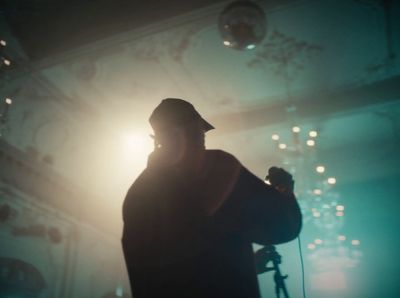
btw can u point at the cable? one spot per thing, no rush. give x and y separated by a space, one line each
302 268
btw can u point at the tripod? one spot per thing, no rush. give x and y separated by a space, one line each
269 254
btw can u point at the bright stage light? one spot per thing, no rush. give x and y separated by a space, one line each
137 145
3 42
355 242
341 237
8 101
313 134
311 246
320 169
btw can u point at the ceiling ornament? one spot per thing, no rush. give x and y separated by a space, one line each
84 70
22 279
173 44
283 55
242 25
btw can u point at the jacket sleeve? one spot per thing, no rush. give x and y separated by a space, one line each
259 212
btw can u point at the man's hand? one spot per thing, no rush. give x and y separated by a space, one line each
281 180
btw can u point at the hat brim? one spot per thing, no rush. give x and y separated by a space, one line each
207 126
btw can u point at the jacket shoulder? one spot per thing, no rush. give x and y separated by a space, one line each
221 156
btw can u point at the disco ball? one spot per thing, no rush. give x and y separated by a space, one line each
242 25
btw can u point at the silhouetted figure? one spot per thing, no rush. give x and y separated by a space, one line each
191 216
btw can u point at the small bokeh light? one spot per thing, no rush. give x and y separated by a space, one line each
317 192
6 62
296 129
311 246
316 214
310 143
318 241
340 208
275 137
282 146
331 180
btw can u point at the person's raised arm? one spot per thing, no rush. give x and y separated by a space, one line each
265 214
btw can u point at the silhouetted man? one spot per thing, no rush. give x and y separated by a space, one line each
192 215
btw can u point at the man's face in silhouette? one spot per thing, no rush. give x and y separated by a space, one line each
195 135
182 142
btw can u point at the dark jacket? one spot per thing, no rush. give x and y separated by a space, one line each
190 234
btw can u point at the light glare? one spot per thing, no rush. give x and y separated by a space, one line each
8 101
136 145
320 169
313 134
341 237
